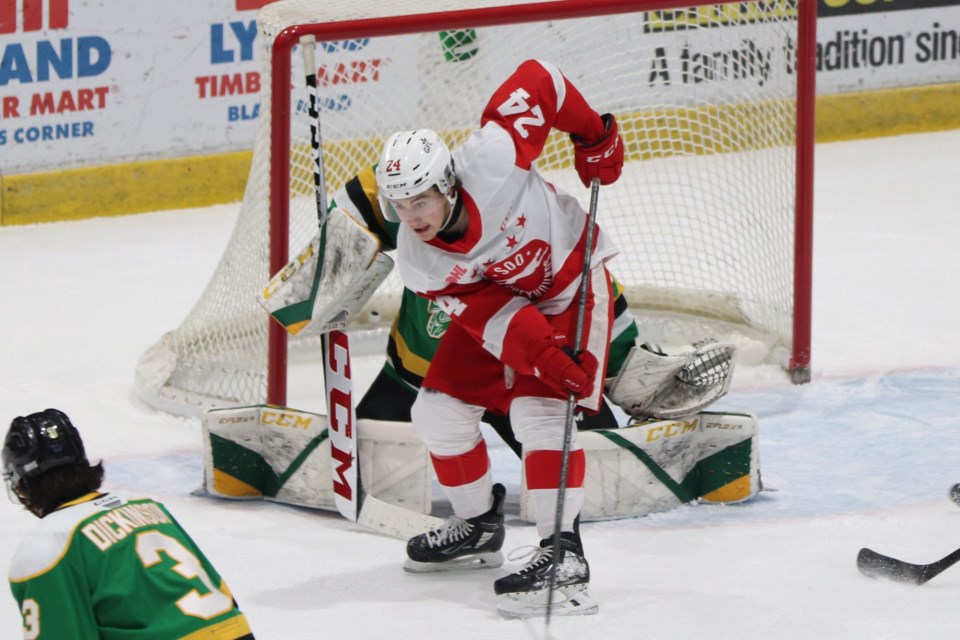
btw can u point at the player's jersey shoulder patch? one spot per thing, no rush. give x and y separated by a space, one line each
43 548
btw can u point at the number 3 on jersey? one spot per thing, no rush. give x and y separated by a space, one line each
31 619
149 547
516 104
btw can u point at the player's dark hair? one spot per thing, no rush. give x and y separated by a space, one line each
45 493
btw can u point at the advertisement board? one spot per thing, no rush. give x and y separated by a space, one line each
86 82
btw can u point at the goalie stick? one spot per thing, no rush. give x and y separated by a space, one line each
394 521
335 348
876 565
352 501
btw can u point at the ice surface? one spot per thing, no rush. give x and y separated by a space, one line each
862 456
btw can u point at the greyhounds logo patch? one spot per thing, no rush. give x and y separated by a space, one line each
526 272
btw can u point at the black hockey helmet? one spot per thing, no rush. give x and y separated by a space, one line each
40 442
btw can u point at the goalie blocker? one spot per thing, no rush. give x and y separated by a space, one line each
283 455
329 280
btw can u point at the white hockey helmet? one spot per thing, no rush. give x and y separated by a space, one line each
411 163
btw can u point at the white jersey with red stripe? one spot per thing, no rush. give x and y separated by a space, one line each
525 239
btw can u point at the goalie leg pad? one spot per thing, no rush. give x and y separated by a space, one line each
659 464
283 455
268 452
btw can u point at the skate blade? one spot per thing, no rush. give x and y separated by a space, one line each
490 560
567 601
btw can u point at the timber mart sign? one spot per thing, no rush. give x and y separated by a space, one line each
56 12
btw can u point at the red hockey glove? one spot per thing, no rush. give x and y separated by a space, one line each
588 364
601 158
564 373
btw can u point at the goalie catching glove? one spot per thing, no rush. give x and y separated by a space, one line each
654 384
563 371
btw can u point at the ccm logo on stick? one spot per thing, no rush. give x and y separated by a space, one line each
340 394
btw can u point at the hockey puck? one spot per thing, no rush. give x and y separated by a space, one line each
955 493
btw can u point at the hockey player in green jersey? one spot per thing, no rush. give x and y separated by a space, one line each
99 566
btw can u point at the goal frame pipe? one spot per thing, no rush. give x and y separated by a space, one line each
280 112
799 367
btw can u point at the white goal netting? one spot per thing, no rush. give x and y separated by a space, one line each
705 97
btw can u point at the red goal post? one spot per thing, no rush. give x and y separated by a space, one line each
536 12
713 214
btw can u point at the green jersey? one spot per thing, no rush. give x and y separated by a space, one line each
102 567
420 323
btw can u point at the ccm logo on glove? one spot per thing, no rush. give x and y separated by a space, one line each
601 158
566 373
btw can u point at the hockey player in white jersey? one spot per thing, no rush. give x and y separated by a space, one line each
501 250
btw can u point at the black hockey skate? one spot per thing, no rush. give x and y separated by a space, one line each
524 594
458 543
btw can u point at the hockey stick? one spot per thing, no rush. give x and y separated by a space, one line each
391 520
876 565
335 347
352 501
571 399
308 44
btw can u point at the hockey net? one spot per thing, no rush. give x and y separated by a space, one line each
712 213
